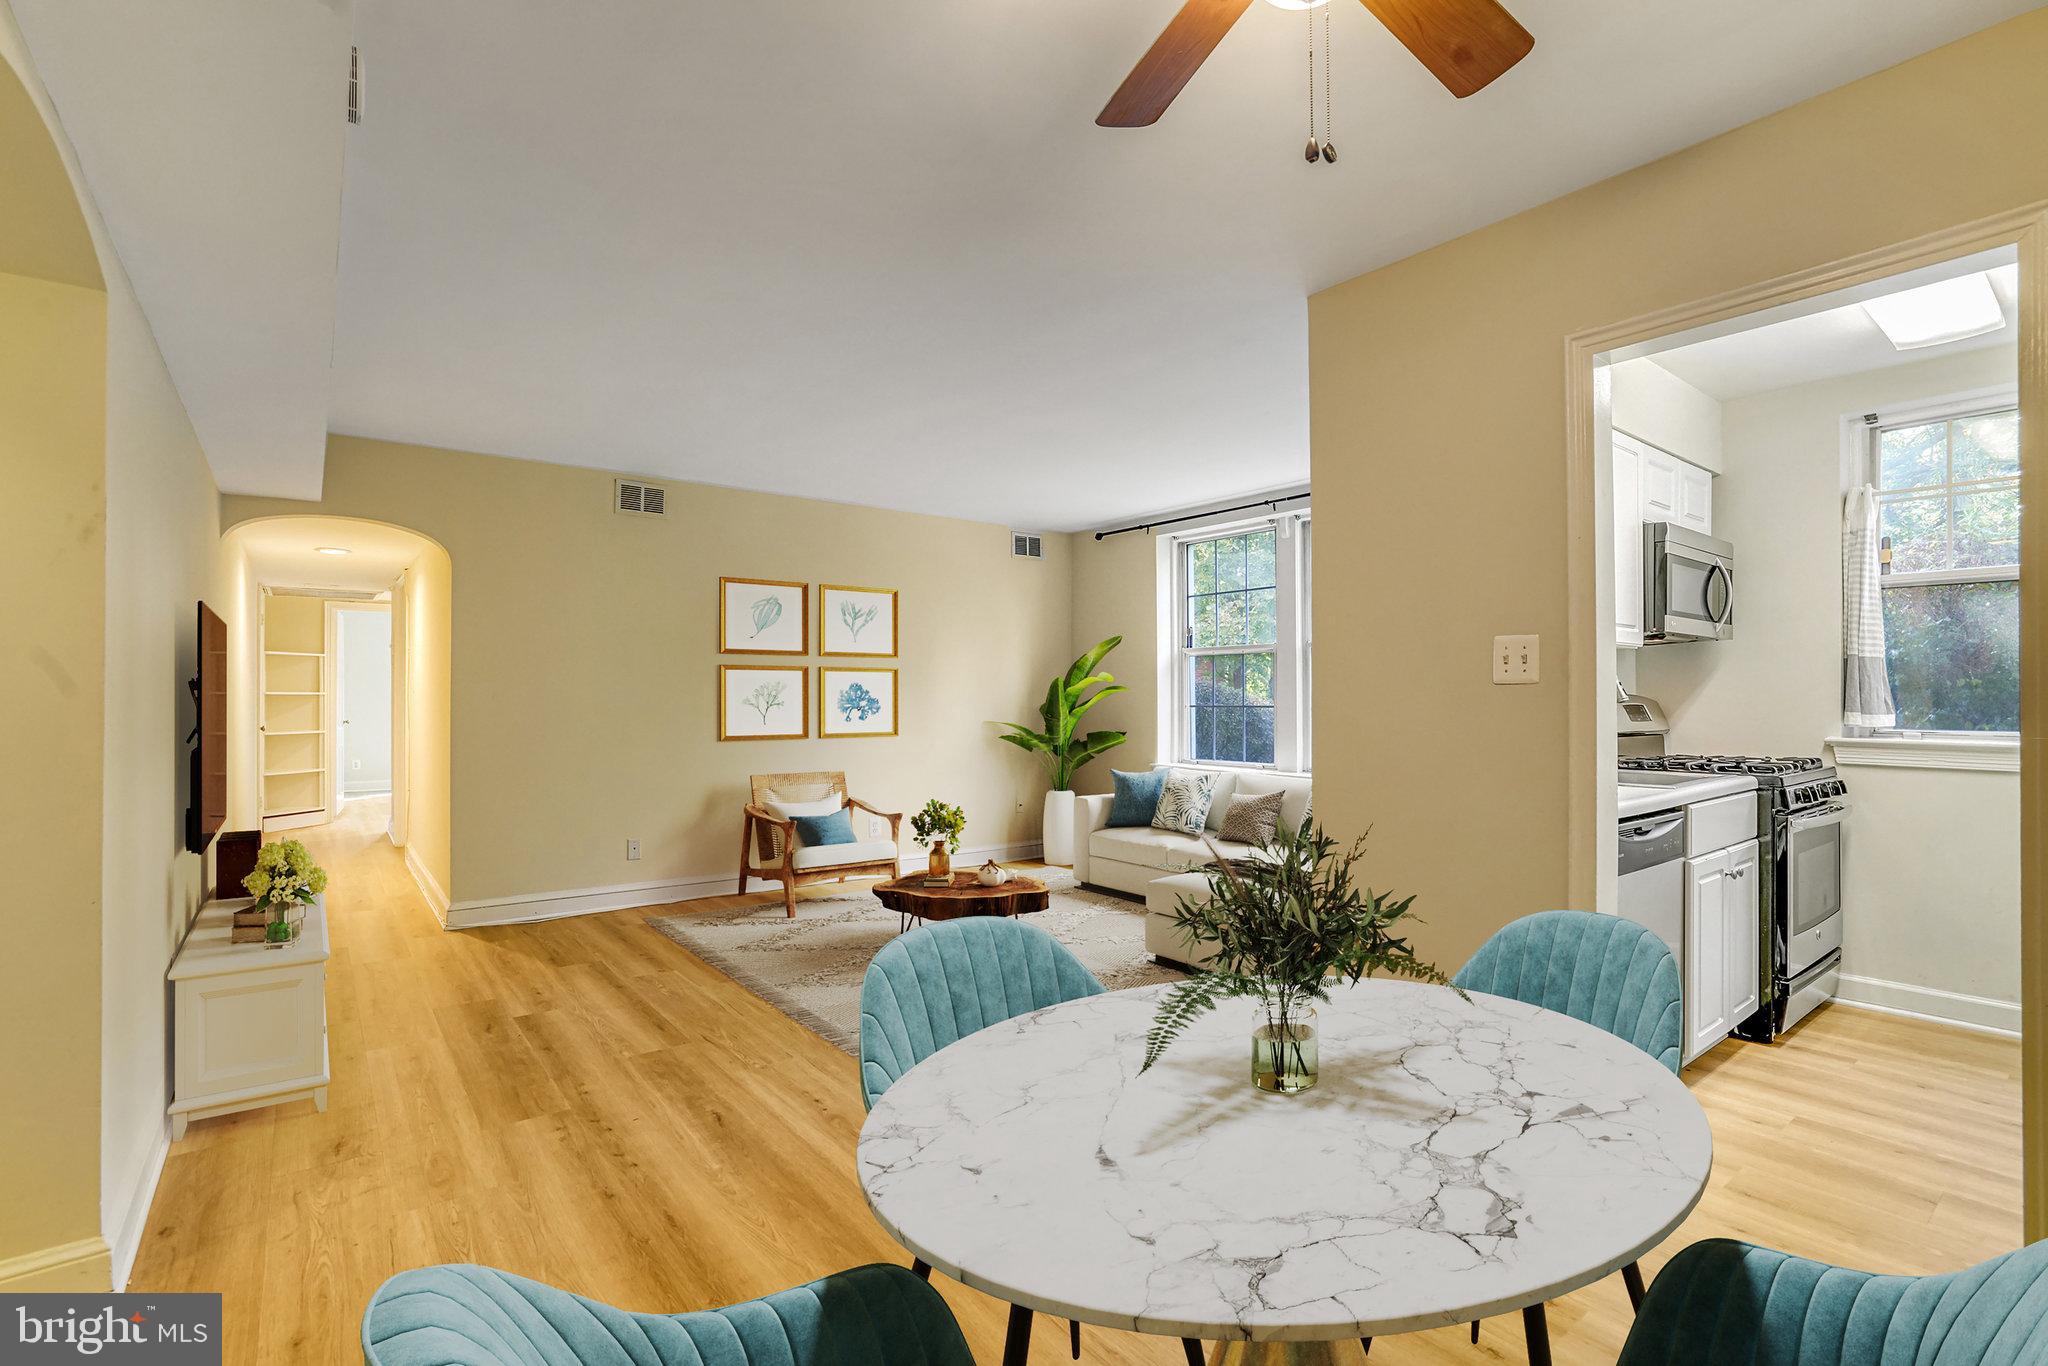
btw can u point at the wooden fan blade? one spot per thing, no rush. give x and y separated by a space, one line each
1179 53
1466 44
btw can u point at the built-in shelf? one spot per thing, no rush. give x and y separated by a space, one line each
291 811
290 772
268 734
299 654
294 692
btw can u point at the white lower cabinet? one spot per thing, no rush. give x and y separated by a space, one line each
1722 905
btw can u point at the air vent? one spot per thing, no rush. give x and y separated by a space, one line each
643 500
355 85
1024 544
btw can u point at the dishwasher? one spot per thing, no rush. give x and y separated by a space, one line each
1652 886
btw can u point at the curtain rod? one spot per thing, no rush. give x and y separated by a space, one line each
1273 503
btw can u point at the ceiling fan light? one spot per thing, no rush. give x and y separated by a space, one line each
1945 311
1297 4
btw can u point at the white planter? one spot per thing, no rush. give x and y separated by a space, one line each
1059 829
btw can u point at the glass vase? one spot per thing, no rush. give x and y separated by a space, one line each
1284 1058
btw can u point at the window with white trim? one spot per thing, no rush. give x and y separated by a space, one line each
1241 617
1949 519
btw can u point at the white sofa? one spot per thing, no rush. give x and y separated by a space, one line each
1132 859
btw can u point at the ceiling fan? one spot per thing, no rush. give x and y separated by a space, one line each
1465 44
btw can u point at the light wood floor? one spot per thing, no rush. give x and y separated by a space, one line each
583 1102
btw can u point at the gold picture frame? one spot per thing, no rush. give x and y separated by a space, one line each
732 720
831 726
785 635
845 628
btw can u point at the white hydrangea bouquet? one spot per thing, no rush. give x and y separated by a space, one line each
285 882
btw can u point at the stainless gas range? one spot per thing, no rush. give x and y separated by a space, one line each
1800 806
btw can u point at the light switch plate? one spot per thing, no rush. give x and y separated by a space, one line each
1516 659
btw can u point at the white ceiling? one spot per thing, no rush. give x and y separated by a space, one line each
284 553
874 253
1821 345
210 133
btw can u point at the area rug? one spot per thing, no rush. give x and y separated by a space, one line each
810 968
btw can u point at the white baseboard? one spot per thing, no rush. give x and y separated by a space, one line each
517 910
125 1238
81 1266
1927 1003
437 900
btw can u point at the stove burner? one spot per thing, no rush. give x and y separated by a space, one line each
1754 765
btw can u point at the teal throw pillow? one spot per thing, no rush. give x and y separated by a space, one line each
836 828
1137 796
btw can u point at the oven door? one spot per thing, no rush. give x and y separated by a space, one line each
1813 886
1691 590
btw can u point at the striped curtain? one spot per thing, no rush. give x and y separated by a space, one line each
1866 687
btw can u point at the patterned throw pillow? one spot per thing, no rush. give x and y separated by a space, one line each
1252 820
1184 802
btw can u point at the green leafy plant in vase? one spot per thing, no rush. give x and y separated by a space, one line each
1062 744
1286 924
939 825
285 882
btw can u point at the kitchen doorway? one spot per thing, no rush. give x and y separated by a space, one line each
2022 238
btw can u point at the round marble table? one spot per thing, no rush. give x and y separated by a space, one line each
1458 1159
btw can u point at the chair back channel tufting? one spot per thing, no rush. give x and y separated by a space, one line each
1611 973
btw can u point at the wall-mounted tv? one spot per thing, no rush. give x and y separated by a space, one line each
209 739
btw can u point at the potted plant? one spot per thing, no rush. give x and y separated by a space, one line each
285 882
1286 924
1066 700
939 825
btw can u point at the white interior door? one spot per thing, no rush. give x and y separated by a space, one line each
362 701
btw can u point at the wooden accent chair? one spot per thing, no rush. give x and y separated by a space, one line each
768 848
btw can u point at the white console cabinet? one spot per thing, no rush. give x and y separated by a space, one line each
249 1022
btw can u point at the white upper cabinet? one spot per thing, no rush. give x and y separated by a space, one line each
1650 485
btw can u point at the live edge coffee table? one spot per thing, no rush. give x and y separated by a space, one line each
909 897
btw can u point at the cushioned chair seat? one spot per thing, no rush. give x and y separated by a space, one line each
940 983
1165 850
1724 1303
477 1316
832 855
1612 973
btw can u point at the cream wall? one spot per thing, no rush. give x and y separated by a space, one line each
1930 858
1116 592
1437 413
1652 403
584 666
427 611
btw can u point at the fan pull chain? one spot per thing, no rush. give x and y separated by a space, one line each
1329 150
1312 153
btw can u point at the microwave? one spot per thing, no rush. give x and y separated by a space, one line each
1688 585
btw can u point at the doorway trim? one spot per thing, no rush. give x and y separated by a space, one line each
1589 790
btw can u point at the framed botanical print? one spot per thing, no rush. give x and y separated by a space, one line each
856 621
856 701
764 702
763 617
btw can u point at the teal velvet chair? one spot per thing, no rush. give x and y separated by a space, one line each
477 1316
1612 973
1724 1303
938 984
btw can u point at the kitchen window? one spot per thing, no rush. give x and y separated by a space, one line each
1241 616
1949 519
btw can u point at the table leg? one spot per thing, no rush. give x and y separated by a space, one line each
1074 1328
1366 1343
1193 1349
1632 1277
1017 1341
1537 1329
922 1268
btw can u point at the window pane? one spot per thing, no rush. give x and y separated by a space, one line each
1229 564
1202 675
1258 735
1205 732
1232 624
1953 652
1987 447
1258 679
1202 622
1918 528
1265 619
1912 457
1229 735
1987 528
1259 567
1202 567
